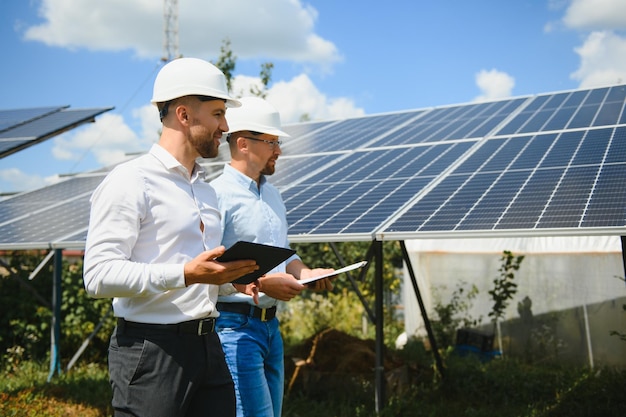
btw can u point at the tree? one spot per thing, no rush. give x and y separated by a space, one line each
227 62
504 289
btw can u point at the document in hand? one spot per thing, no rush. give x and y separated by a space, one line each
267 258
336 272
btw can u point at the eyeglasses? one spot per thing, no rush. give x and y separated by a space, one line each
273 143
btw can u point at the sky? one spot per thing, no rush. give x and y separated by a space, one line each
332 59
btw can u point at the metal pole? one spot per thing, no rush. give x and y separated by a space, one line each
588 335
623 239
429 330
380 340
358 293
55 331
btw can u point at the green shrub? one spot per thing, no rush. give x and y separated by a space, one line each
25 312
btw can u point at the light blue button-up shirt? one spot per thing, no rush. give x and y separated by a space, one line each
254 214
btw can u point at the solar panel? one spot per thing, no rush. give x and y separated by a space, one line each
351 196
543 181
537 165
45 226
345 135
20 129
453 123
16 117
8 145
49 213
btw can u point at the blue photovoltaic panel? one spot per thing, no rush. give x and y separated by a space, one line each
7 145
42 124
359 190
76 240
17 212
291 170
346 135
577 109
568 180
531 165
47 225
15 117
303 129
453 123
51 123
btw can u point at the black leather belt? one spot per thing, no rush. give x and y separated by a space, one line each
263 314
198 327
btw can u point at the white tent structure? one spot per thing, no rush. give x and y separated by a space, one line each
574 283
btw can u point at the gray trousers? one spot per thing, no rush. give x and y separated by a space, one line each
157 372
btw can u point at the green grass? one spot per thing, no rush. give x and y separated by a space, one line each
24 391
503 388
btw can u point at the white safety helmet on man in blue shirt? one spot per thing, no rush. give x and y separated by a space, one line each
255 115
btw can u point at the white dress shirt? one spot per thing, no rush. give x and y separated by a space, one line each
145 225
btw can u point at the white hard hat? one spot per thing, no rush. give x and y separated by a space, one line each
190 77
256 115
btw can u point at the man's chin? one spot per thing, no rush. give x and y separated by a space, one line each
209 153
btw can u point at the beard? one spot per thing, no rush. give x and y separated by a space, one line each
268 169
203 142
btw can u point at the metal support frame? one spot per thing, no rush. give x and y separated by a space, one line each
377 317
429 330
358 292
55 330
375 251
85 343
379 370
623 240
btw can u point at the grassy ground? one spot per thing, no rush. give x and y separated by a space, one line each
500 388
82 392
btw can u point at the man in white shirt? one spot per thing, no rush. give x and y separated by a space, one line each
154 234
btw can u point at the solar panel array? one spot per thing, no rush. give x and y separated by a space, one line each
559 164
22 128
540 165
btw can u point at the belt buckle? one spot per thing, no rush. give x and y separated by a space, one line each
263 311
201 326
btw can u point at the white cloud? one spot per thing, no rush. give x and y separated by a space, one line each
603 52
268 30
271 29
494 84
596 14
602 60
14 180
109 139
299 98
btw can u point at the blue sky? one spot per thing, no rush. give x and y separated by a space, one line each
332 59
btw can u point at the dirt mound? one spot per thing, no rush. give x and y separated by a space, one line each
329 359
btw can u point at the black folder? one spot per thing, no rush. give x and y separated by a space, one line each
267 258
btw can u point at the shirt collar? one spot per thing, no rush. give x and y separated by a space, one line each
242 179
171 163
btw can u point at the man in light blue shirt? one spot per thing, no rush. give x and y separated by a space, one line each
252 209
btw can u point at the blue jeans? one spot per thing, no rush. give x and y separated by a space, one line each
254 354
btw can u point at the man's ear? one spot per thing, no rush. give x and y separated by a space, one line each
182 114
242 144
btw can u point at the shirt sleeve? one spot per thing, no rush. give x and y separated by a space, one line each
227 289
117 208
